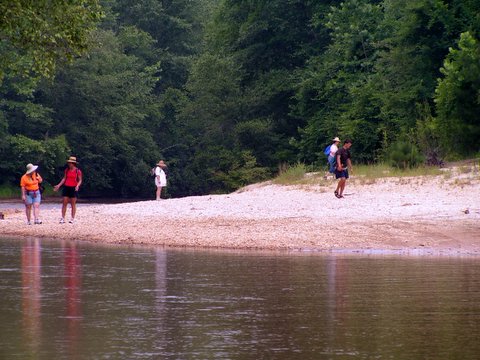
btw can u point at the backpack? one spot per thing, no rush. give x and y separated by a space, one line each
41 187
327 150
152 171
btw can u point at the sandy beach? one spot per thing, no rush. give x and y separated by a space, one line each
432 213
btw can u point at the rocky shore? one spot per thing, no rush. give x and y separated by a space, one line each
435 213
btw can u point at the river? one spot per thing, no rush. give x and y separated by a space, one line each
71 300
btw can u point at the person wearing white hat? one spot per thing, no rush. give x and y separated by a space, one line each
160 178
30 185
331 155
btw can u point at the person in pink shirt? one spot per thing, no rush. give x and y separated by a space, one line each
71 181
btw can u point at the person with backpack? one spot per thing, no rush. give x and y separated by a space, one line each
344 163
30 185
330 152
71 181
160 178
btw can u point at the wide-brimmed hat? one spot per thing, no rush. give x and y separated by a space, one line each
336 139
72 159
31 168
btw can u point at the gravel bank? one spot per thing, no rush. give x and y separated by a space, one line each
395 213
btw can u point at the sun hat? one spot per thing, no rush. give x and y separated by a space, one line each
72 159
336 139
31 168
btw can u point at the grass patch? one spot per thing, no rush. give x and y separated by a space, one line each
378 171
290 174
465 169
462 182
297 174
448 175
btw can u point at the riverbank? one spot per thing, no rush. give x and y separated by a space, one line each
441 213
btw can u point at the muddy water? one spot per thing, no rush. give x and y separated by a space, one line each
64 300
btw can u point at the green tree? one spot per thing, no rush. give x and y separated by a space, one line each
20 150
336 93
268 41
175 25
409 60
457 97
209 115
102 103
36 35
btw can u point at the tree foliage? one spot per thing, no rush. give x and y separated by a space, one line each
458 96
225 90
36 35
109 97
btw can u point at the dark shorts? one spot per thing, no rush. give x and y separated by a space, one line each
341 174
69 191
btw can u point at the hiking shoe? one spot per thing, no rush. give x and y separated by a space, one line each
38 221
72 221
62 221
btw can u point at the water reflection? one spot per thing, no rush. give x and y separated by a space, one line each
31 293
73 276
81 301
160 299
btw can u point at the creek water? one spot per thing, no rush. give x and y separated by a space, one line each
70 300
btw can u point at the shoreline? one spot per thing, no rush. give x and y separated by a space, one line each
423 215
366 245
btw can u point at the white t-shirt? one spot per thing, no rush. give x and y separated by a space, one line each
333 149
163 178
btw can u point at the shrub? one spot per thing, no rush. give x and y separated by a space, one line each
404 155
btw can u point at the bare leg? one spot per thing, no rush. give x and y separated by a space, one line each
337 190
28 211
73 203
64 206
159 192
341 184
36 211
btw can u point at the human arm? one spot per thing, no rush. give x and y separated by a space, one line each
339 163
80 179
22 187
349 164
56 187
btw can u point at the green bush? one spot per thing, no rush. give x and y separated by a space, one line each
404 155
243 171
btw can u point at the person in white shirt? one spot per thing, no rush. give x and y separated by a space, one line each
331 156
160 178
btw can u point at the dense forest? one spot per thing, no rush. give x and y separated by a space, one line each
226 91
